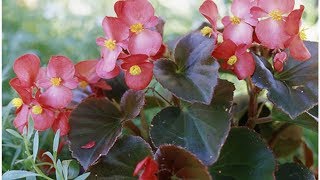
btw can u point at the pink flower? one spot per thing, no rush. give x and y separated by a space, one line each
270 29
235 58
278 61
295 44
87 75
138 15
116 39
210 11
62 123
138 71
58 81
238 28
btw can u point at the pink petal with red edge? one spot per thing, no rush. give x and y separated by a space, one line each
89 145
100 41
134 11
257 12
245 66
60 66
251 21
26 68
298 50
109 58
44 120
239 33
141 81
146 42
271 33
104 74
160 53
24 93
210 11
44 83
281 56
22 116
87 70
62 123
71 83
284 6
103 85
115 29
56 96
293 21
153 21
226 21
225 50
241 8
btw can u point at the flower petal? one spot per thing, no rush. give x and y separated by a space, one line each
257 12
62 123
56 97
133 59
226 21
104 74
271 33
103 85
26 68
141 81
245 66
115 29
241 8
293 21
210 11
86 70
22 116
284 6
225 50
146 42
60 66
298 50
71 83
44 120
238 33
24 93
109 58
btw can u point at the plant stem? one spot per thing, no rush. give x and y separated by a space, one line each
253 103
263 120
155 91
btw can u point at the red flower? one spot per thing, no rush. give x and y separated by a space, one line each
62 123
235 58
58 80
278 61
295 44
210 11
149 168
271 29
26 68
138 15
238 28
116 35
138 71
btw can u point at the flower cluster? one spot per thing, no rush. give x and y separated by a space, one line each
131 38
271 23
45 93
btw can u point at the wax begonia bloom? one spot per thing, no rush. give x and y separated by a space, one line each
62 123
148 167
278 61
116 35
59 82
296 46
26 68
210 11
235 58
270 30
138 71
238 28
139 17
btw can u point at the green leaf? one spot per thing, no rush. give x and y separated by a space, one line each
293 171
30 128
305 120
244 156
56 143
59 170
193 70
294 90
83 176
14 133
65 167
131 103
35 146
199 128
177 163
73 169
17 174
95 120
122 159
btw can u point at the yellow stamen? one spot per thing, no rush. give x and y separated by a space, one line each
83 84
135 70
206 31
235 20
17 102
110 44
303 35
136 28
37 109
56 81
276 15
232 60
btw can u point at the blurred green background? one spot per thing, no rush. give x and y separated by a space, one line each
70 27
